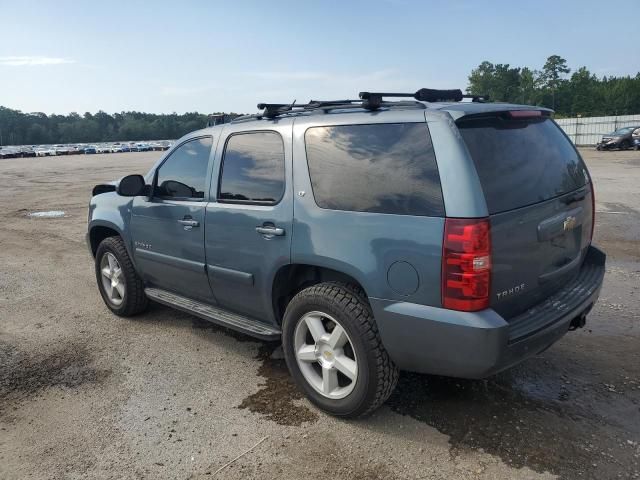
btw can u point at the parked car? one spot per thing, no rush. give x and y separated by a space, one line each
620 139
45 152
90 149
115 149
27 152
9 152
635 137
103 149
331 227
143 147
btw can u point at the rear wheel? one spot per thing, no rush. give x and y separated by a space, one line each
120 286
333 350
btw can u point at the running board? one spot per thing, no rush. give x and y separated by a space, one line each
214 314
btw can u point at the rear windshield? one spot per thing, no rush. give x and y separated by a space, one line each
521 162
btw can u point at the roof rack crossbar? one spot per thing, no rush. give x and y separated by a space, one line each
367 100
374 99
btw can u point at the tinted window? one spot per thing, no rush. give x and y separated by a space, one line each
384 168
253 168
183 174
521 162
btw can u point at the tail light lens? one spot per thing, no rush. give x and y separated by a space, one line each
466 264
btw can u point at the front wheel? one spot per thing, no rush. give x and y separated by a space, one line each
334 352
120 286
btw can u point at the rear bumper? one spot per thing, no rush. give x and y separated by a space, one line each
438 341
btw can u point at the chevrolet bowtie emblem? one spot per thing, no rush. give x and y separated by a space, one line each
569 223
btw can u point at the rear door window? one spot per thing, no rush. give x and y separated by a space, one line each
253 169
383 168
521 162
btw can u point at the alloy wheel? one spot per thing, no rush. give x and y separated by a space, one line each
112 279
325 355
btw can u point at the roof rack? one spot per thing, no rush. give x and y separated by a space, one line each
368 101
218 119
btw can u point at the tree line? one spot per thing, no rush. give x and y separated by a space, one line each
554 86
18 128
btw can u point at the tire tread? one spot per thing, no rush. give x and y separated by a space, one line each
352 300
136 301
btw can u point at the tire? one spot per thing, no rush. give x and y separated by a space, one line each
132 300
624 145
337 305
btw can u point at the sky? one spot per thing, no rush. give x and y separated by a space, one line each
206 56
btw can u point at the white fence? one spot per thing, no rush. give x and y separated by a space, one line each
589 130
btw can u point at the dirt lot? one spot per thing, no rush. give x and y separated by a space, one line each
84 394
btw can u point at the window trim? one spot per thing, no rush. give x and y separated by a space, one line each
154 185
221 171
435 158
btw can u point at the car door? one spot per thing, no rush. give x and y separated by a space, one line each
249 220
168 228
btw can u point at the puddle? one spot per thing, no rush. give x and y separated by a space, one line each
276 397
24 374
524 421
47 214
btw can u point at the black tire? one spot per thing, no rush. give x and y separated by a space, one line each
134 300
624 145
377 374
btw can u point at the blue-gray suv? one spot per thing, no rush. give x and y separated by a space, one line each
431 233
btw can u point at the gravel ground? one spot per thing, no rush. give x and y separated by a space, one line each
85 394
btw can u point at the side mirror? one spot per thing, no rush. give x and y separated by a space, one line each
131 186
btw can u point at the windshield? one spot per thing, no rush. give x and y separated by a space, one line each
623 131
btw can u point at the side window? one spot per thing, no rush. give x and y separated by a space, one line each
383 168
253 169
183 175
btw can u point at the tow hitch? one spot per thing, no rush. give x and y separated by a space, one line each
580 320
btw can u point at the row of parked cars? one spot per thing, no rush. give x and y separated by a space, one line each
622 139
77 149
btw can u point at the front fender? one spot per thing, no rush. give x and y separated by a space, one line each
112 211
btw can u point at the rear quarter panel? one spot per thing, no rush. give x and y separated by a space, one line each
361 244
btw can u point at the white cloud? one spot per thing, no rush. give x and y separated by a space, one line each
31 61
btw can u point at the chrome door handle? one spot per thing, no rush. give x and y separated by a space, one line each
270 231
189 223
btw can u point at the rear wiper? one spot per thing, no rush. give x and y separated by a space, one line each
575 196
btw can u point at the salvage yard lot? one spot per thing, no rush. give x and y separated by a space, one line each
86 394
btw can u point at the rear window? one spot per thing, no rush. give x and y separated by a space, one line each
521 162
383 168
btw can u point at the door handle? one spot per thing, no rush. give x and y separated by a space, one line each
189 223
270 231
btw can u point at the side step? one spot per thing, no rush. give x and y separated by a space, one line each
214 314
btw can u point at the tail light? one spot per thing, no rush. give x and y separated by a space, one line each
466 264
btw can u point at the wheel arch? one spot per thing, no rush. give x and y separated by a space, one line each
98 231
292 278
